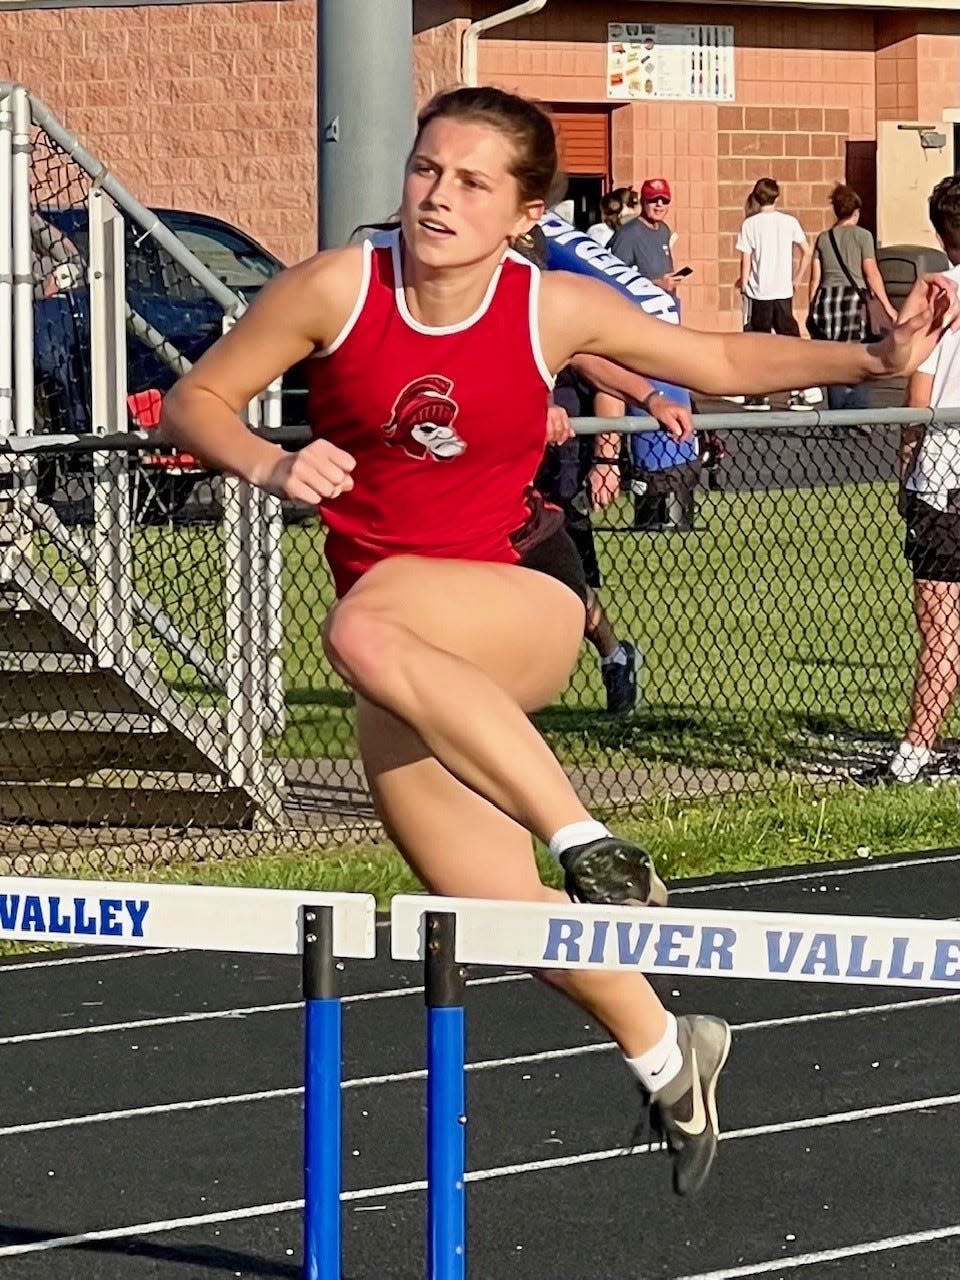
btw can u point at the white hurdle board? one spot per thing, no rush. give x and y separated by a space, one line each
866 950
196 917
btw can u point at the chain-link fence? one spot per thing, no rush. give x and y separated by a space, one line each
135 686
164 691
770 608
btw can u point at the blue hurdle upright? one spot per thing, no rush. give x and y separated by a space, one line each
322 1107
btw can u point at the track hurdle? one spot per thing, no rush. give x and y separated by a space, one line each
448 933
322 927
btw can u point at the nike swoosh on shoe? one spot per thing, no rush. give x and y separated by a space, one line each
696 1126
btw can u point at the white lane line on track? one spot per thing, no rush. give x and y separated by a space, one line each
119 954
403 1077
787 878
151 1228
217 1015
828 1255
476 1175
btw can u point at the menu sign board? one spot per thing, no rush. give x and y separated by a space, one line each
677 61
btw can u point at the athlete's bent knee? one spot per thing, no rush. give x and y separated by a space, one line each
359 643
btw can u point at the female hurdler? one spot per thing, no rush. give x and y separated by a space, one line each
460 599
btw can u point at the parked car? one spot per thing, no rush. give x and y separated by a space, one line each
168 299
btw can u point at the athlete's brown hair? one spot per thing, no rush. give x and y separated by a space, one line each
521 121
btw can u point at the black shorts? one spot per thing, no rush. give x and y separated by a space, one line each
557 557
932 542
772 315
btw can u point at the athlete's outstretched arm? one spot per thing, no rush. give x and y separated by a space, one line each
582 315
301 309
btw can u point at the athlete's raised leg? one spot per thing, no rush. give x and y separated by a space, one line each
461 652
460 846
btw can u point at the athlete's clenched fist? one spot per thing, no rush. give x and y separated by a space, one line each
317 473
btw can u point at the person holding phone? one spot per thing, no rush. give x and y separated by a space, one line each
647 242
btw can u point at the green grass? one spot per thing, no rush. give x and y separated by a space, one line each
779 628
782 624
784 619
787 824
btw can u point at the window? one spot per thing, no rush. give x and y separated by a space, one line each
238 262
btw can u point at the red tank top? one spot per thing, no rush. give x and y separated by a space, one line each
447 425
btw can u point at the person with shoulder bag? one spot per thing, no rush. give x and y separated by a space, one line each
848 301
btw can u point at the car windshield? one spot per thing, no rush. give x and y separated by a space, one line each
237 262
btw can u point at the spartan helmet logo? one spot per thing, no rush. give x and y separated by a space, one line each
421 422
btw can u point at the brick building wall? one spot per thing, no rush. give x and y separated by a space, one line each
200 106
805 147
842 69
212 106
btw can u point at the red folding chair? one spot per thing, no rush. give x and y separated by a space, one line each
144 408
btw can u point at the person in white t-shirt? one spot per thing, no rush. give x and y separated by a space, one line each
770 271
930 502
611 210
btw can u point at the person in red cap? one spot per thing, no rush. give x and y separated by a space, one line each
646 242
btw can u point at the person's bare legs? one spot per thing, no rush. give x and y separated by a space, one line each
937 613
480 642
420 638
460 846
598 630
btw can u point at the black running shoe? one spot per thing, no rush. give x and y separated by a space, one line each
684 1113
620 682
613 872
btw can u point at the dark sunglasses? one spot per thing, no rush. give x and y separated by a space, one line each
659 200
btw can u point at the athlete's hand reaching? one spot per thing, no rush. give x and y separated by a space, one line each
317 473
930 310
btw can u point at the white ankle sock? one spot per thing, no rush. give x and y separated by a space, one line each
575 833
908 761
658 1066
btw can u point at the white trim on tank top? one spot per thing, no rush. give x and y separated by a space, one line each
533 318
358 306
533 309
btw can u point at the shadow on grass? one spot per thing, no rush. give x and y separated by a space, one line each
694 738
319 698
319 726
